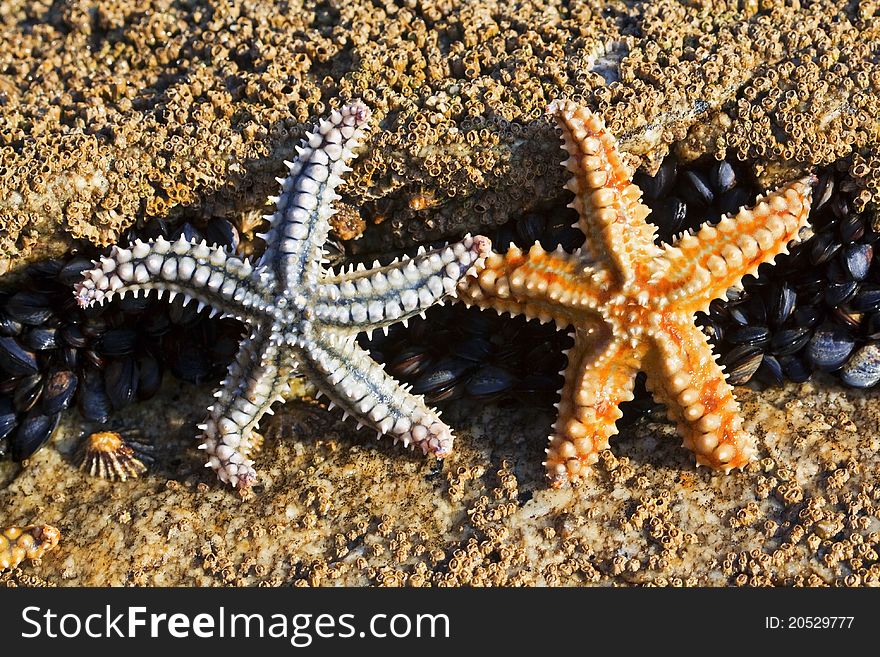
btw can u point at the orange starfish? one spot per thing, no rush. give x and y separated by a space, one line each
632 303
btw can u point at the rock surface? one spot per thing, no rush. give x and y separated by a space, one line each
114 112
337 507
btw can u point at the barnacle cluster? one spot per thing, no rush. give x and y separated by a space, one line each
111 113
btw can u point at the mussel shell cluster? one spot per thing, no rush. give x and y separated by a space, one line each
817 309
54 355
457 352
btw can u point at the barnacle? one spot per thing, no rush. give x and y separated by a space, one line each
106 454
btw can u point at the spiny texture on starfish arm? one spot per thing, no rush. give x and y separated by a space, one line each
632 303
302 319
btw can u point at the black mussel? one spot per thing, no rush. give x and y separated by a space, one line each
867 299
783 303
538 389
149 376
741 363
808 315
8 384
182 312
808 297
489 382
155 321
188 232
851 229
95 358
117 342
504 237
872 326
8 417
789 341
770 371
475 349
835 272
757 311
529 228
862 370
8 326
756 336
220 232
27 307
94 326
187 359
830 346
28 392
837 294
72 272
41 338
134 304
44 269
567 237
121 381
823 247
733 199
69 357
857 260
739 313
872 233
714 328
544 357
225 345
477 322
15 359
72 335
669 216
446 393
93 402
58 391
695 188
823 191
410 362
840 206
795 368
442 374
154 229
659 185
34 431
848 317
722 177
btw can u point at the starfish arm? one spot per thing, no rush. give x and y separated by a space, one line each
683 375
607 202
300 223
257 378
600 376
370 299
352 380
207 274
701 267
557 285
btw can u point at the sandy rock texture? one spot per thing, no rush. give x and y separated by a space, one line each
117 112
337 507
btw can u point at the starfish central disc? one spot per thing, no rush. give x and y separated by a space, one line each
632 303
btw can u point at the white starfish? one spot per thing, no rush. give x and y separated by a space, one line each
303 319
